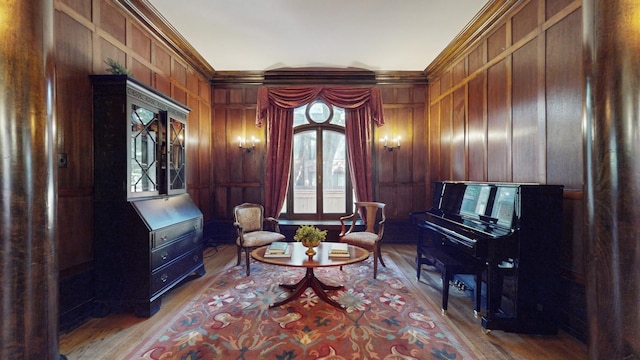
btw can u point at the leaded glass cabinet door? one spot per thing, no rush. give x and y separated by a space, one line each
177 154
145 139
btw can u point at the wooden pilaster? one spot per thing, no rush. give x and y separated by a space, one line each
28 204
612 176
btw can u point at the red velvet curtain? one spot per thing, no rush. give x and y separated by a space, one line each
275 108
359 138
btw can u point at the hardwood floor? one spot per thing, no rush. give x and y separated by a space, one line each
117 334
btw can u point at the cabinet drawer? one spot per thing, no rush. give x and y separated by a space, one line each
165 254
176 271
170 233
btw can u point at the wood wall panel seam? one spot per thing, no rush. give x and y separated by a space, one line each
510 49
163 31
65 9
482 24
504 55
132 54
494 17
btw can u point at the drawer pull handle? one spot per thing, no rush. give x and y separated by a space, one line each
165 255
164 277
196 258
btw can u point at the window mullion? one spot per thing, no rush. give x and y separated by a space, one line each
319 172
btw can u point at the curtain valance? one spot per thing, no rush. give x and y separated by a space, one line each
293 97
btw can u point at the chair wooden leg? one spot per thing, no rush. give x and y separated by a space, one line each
375 268
375 264
239 251
248 257
380 255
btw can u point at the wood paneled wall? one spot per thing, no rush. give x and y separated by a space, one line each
399 175
87 33
510 109
239 176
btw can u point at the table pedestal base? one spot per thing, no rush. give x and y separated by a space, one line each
309 280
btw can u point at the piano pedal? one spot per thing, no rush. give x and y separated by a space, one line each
460 285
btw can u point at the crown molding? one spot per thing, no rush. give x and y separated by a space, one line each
158 25
318 76
401 78
237 78
480 25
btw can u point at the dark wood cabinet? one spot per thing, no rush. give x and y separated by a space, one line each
148 231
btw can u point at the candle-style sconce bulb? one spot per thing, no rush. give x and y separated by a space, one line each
390 145
248 146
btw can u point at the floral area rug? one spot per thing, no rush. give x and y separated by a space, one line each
231 319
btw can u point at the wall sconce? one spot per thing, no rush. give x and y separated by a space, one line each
390 145
248 146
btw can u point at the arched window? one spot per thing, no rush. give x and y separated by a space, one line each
319 185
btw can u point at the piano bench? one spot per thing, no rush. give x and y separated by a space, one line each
449 265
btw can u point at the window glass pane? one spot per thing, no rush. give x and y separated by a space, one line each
319 112
144 130
299 117
177 155
338 116
304 176
334 172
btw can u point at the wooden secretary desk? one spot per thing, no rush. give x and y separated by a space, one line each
147 229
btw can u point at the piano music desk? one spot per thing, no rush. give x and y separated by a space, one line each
449 265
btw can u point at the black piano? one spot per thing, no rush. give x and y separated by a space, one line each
512 229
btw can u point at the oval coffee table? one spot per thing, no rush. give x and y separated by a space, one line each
298 258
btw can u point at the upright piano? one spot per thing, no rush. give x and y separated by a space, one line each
512 229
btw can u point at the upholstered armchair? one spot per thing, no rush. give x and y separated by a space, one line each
372 213
252 232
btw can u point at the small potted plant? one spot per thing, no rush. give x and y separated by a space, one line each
116 68
310 236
